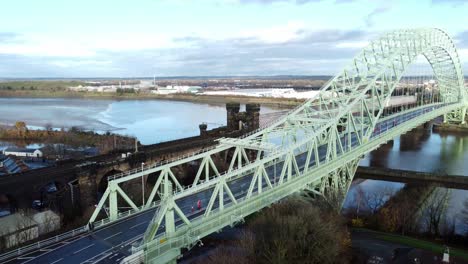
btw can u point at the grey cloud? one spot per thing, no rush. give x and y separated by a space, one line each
327 36
314 53
449 2
462 39
7 36
188 39
376 12
300 2
22 66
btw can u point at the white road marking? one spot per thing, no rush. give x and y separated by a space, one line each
58 260
78 251
97 260
116 234
108 252
138 225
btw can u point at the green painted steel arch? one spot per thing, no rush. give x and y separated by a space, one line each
385 60
398 49
375 72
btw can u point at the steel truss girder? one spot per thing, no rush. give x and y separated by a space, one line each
348 107
336 172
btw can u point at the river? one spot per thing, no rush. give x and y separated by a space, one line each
151 121
420 150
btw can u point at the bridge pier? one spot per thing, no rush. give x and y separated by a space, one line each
88 188
427 125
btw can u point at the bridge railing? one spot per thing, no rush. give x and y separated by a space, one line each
157 164
125 214
207 183
162 244
40 244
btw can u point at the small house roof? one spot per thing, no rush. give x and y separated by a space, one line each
26 150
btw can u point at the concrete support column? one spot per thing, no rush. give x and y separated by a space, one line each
113 207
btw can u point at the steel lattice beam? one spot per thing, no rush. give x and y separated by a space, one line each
317 146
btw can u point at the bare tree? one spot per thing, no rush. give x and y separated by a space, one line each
374 199
51 222
464 216
359 199
48 127
292 231
433 212
297 232
25 229
21 128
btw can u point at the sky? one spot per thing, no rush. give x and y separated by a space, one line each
123 38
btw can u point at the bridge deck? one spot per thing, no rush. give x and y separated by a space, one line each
112 243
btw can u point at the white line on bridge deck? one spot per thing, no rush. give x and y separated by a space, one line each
26 257
139 224
58 260
116 234
78 251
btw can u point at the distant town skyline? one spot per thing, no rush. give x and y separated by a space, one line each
120 38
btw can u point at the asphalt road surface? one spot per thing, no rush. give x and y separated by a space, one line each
112 243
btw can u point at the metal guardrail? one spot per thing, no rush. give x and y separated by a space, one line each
42 243
162 244
72 233
125 214
103 222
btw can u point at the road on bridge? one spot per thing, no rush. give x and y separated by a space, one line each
111 243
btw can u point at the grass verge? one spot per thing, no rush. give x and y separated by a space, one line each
417 243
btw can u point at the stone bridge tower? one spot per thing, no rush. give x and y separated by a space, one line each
248 120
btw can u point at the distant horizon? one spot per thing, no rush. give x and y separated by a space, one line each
299 76
168 77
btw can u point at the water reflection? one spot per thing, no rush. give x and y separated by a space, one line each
423 150
420 150
151 121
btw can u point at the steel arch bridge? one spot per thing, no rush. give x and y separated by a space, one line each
315 147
